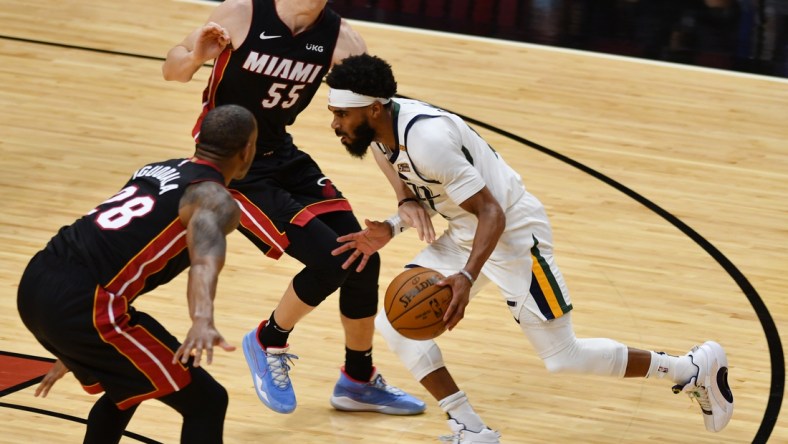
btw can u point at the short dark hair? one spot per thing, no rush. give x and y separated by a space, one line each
225 130
364 74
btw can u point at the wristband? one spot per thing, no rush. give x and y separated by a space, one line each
395 222
407 199
467 275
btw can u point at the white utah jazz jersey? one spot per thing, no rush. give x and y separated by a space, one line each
445 162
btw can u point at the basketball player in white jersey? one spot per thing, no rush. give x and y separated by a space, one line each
497 233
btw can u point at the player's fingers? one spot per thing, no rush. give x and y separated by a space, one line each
350 260
197 352
43 387
430 236
340 249
450 312
209 355
346 238
226 345
456 318
420 230
449 317
177 356
362 264
185 351
455 314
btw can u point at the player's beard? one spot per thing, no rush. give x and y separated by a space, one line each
364 134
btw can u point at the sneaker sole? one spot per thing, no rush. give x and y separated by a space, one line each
250 362
346 404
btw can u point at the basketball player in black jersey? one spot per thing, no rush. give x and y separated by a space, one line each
270 56
76 294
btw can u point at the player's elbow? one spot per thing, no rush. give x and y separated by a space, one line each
177 65
170 74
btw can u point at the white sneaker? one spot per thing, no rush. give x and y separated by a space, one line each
460 435
710 385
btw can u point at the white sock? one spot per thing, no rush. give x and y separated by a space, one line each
678 369
459 409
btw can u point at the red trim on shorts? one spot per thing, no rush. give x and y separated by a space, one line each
141 347
257 222
327 206
93 389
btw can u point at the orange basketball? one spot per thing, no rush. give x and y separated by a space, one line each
415 305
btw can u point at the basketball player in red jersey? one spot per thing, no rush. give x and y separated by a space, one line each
270 56
76 294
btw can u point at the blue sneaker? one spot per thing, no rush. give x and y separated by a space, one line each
373 396
269 369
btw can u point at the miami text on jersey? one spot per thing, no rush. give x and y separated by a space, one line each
282 68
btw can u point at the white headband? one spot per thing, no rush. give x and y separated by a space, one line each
345 98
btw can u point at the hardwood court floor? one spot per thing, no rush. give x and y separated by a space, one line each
83 104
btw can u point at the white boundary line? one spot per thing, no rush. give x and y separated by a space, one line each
550 48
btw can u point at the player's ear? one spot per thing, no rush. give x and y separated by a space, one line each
376 109
247 153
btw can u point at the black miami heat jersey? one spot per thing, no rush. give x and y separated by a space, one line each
273 73
135 241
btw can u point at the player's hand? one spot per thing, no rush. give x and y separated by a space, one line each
364 243
202 336
211 42
461 296
56 372
415 215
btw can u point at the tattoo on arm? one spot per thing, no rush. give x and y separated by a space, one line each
212 213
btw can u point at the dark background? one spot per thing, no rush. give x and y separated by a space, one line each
740 35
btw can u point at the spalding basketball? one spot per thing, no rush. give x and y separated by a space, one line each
415 305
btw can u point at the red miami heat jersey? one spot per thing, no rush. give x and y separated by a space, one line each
135 241
274 74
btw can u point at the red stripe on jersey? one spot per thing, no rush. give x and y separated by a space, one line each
326 206
209 94
168 244
258 223
143 350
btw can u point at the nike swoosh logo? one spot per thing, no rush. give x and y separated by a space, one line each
267 37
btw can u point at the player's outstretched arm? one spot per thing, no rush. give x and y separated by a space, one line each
210 213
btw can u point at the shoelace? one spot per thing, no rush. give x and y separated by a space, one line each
380 383
702 396
279 367
694 389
